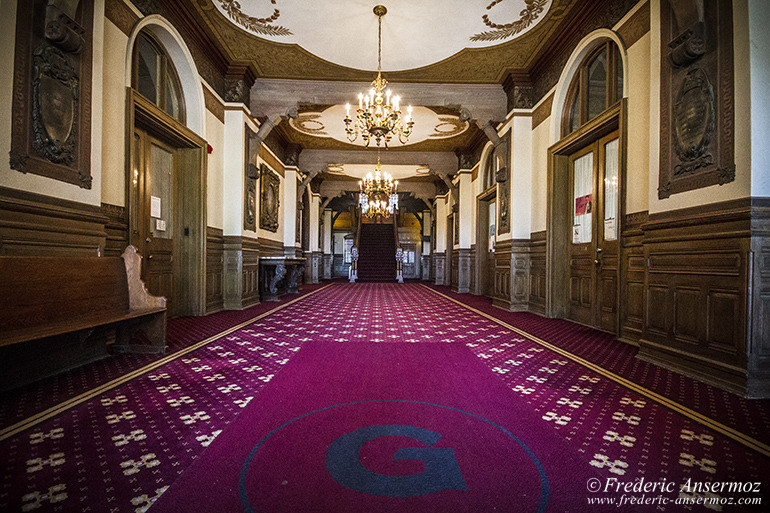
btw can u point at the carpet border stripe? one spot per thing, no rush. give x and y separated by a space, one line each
735 435
87 396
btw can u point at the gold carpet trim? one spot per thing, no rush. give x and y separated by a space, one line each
737 436
87 396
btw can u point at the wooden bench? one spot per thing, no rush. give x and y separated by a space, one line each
57 313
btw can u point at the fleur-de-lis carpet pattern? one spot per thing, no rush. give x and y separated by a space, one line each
122 450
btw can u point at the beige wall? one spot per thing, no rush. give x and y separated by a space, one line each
540 144
215 135
114 116
638 140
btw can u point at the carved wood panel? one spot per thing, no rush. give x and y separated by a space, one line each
537 273
697 96
215 247
51 125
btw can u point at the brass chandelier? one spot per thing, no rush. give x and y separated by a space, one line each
378 192
378 115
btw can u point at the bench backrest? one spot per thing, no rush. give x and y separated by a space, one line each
39 291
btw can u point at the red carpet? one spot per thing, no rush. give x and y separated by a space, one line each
296 447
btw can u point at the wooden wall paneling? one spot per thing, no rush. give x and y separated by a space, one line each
758 365
33 224
215 266
116 228
537 273
270 248
632 289
454 271
473 270
502 285
520 256
250 272
697 292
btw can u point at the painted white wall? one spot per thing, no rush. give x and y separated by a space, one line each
114 116
521 177
289 206
315 204
540 144
215 135
638 141
34 183
467 210
441 213
327 238
759 52
232 172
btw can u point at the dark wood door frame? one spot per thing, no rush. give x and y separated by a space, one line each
484 285
190 266
559 219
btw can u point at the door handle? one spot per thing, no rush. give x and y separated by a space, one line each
148 240
597 260
149 257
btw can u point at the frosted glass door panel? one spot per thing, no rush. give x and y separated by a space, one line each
583 199
161 192
611 190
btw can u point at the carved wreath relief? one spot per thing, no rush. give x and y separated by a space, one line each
269 200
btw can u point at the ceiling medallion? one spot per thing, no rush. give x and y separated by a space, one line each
528 16
378 192
378 115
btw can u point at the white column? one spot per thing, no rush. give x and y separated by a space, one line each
290 211
327 244
234 164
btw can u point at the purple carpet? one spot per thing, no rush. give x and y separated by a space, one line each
127 446
384 428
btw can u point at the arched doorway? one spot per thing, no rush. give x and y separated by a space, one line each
165 179
486 226
586 180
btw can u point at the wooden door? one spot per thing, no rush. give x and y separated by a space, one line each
594 249
153 214
491 235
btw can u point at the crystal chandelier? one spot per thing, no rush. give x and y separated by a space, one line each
378 115
378 192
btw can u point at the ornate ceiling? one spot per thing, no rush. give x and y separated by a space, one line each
345 33
439 41
432 46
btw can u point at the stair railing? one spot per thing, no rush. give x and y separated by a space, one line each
353 274
399 251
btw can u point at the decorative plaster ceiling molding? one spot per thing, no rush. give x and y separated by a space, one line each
345 33
438 162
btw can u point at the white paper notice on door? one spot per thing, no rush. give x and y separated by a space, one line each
154 206
160 225
610 231
576 232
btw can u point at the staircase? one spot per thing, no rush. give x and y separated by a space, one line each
376 253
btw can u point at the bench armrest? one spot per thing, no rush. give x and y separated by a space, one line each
138 297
